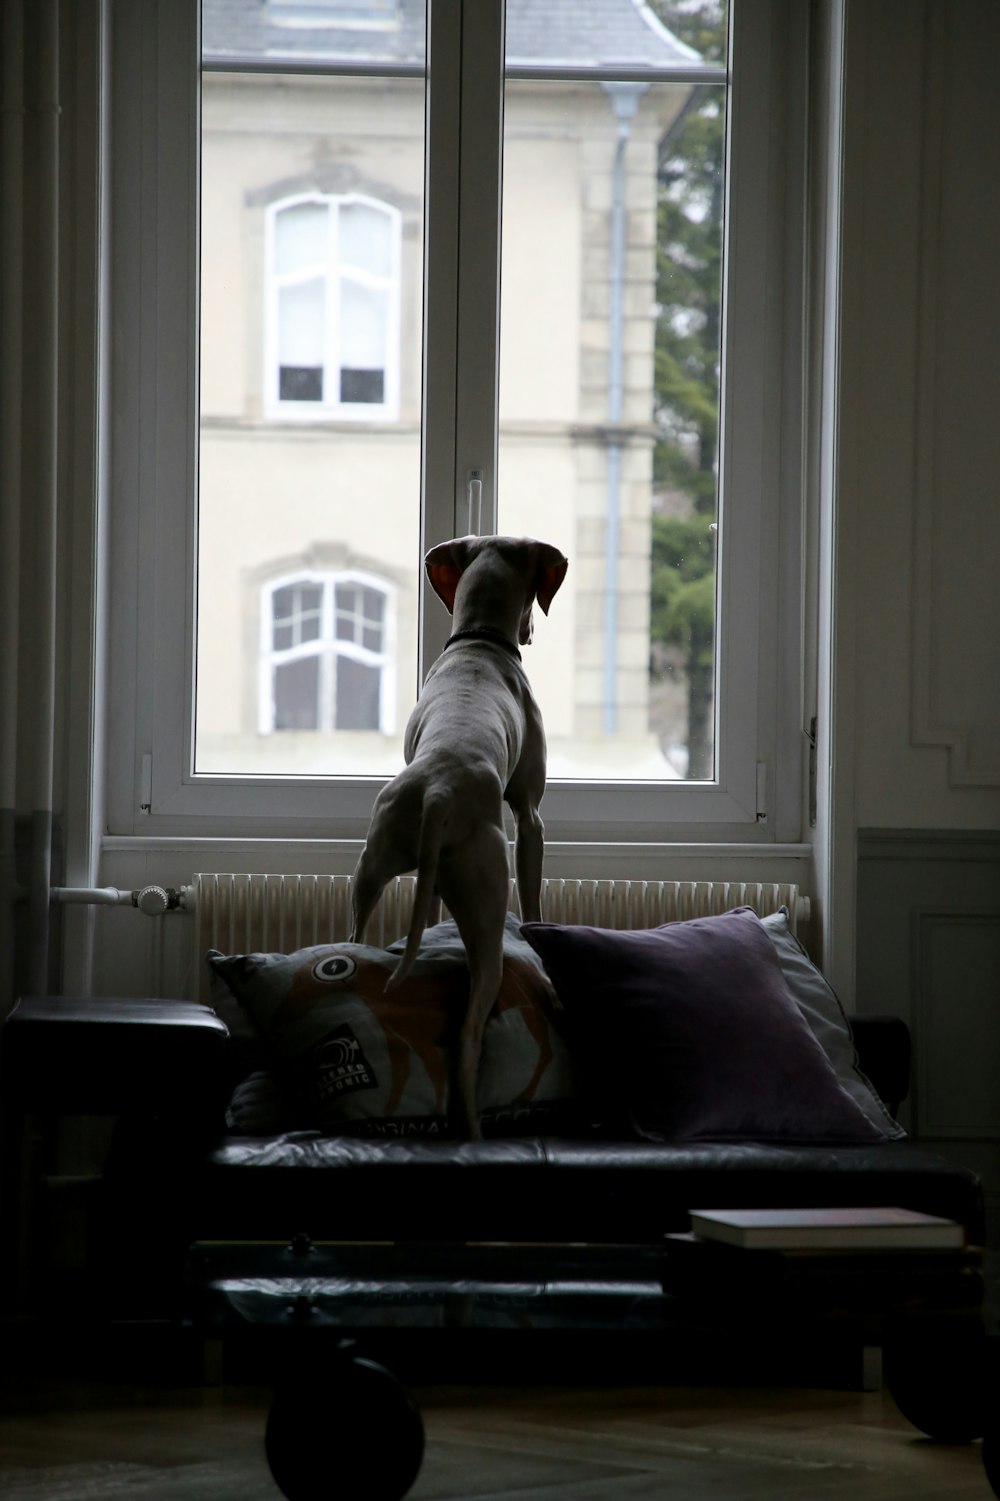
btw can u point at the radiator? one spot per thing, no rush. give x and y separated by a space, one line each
241 914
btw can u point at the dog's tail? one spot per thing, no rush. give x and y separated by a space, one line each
432 823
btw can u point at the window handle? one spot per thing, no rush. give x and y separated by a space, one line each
474 491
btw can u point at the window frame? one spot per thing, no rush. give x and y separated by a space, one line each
756 797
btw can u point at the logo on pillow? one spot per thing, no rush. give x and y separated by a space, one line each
340 1065
334 969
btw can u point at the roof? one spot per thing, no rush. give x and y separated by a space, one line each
355 32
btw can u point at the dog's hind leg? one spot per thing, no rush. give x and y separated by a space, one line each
367 883
373 872
475 884
390 849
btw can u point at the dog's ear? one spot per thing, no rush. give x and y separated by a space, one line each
550 572
444 579
445 565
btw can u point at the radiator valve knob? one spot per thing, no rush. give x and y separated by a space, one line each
152 900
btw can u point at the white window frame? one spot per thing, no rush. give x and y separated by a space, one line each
334 274
757 795
327 644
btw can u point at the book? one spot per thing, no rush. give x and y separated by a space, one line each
883 1229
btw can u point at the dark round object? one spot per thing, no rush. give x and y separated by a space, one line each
352 1434
936 1372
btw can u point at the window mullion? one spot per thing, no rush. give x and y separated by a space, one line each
479 257
461 286
440 320
331 310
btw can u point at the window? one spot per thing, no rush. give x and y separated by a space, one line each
366 13
325 659
493 256
333 287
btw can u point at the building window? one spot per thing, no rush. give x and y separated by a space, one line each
366 15
326 662
333 324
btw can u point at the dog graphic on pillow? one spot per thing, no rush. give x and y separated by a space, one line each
422 1016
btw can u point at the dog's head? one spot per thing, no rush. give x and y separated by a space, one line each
507 574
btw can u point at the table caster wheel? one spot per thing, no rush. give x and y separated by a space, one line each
936 1373
351 1434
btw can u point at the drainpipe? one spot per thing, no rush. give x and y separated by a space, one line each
624 101
11 352
44 514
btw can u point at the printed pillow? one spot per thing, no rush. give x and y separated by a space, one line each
347 1057
691 1032
820 1005
257 1108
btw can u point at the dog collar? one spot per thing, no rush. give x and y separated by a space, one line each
484 633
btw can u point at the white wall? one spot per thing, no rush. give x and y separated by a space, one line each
921 444
916 648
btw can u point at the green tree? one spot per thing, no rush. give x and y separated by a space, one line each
686 378
682 609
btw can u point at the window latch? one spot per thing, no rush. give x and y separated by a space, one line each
474 493
813 772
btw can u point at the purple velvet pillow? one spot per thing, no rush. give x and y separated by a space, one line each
691 1031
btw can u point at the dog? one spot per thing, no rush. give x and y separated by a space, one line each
474 740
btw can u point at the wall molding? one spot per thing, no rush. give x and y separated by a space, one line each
938 647
957 1023
929 951
958 845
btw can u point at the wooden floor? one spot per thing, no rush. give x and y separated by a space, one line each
98 1442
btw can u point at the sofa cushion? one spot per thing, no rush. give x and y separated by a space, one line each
555 1188
343 1055
820 1005
690 1032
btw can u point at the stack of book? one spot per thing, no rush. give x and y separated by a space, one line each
887 1229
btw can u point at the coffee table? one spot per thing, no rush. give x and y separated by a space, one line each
320 1308
919 1313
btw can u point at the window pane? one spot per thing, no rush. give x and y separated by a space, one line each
348 623
609 392
296 611
364 238
296 694
357 695
366 386
285 482
362 327
300 383
347 605
300 324
300 237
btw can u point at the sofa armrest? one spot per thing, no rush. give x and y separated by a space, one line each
883 1046
111 1056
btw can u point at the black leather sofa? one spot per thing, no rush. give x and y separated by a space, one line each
252 1213
166 1069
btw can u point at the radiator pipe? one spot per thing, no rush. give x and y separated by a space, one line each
153 900
624 101
91 896
11 356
